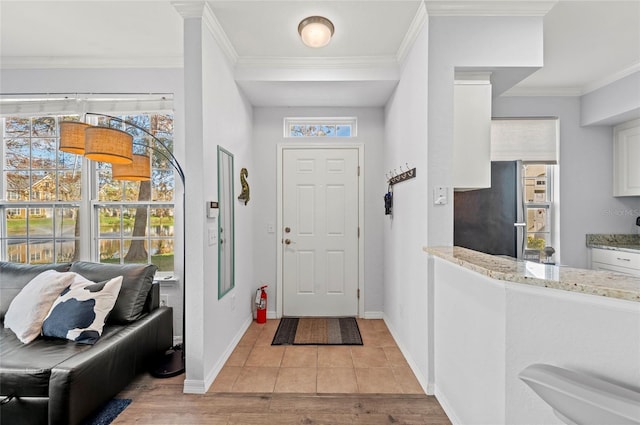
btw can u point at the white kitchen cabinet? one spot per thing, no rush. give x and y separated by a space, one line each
472 132
616 261
626 159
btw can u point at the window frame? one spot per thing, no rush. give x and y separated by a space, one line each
35 205
548 204
87 204
288 122
95 203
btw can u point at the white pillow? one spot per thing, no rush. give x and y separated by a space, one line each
80 311
29 308
79 281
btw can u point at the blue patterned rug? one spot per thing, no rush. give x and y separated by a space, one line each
109 412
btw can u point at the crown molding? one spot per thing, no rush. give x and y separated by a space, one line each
189 9
202 10
317 62
214 27
573 91
489 8
598 84
543 92
76 62
409 39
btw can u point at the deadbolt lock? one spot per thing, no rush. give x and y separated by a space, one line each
287 229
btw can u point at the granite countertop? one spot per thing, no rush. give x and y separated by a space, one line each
617 242
601 283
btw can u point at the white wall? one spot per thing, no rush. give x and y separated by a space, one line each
468 43
405 232
487 331
419 130
469 341
117 81
595 335
586 175
217 114
267 133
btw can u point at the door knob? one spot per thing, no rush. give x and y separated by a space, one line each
287 241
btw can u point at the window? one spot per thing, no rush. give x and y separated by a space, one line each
135 220
42 188
132 221
320 127
538 198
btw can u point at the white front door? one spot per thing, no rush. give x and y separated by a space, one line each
320 232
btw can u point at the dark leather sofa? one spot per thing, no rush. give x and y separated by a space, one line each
56 381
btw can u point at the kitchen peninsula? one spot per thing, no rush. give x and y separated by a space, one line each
606 284
494 316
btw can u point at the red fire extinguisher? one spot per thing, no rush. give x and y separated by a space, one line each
261 305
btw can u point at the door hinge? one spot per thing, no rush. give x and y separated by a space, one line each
358 171
358 293
358 232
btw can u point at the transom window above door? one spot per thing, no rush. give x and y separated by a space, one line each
320 127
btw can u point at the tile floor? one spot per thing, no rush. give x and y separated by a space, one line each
378 366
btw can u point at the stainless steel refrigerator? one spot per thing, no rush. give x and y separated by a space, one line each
492 220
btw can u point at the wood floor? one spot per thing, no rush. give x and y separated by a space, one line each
161 401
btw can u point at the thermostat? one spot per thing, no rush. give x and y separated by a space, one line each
212 209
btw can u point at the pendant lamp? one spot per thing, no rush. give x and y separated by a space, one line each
138 170
108 145
72 136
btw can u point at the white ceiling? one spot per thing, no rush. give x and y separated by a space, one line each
587 43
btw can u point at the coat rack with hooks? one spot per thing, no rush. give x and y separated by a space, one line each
393 177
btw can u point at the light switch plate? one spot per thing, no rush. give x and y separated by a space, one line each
440 196
213 235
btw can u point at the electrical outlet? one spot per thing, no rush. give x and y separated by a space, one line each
164 300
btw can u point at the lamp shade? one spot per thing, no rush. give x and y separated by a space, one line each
72 136
108 145
138 170
315 31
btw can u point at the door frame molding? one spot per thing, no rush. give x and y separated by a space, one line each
281 147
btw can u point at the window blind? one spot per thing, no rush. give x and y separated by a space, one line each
77 104
526 139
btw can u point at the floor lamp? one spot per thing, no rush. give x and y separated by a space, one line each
115 146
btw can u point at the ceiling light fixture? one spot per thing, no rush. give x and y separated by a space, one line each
315 31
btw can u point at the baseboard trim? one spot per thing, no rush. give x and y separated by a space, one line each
422 380
366 315
444 403
201 387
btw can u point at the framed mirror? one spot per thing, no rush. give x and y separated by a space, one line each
226 272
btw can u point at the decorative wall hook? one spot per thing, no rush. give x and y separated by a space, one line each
407 175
